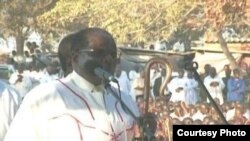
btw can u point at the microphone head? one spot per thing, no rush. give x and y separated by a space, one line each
103 74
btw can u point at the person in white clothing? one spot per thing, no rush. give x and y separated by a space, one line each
191 96
50 73
177 86
214 85
138 85
123 80
133 75
179 46
80 106
10 101
21 81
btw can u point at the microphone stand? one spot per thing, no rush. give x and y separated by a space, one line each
193 67
139 120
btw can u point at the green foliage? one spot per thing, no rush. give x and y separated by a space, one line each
65 13
18 15
222 13
142 20
128 20
18 18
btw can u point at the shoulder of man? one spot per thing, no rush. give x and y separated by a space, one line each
41 92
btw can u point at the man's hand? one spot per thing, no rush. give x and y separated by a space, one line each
19 79
214 84
179 89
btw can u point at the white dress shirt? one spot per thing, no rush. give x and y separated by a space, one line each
72 109
215 92
9 104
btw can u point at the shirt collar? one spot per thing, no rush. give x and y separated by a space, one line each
85 84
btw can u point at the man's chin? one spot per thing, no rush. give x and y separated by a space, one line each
98 81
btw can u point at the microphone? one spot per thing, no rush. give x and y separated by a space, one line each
104 75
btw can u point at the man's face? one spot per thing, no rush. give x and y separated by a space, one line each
213 72
181 73
51 69
228 73
207 68
236 73
98 54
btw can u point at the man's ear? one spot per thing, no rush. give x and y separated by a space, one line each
74 56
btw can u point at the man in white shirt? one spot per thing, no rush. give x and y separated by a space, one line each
80 106
9 102
122 77
214 85
179 46
138 86
191 96
21 81
177 87
50 73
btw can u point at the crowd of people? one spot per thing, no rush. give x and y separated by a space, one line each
42 100
189 102
32 69
175 44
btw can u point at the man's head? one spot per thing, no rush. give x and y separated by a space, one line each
181 73
92 48
52 67
227 70
14 53
21 68
207 68
236 73
213 72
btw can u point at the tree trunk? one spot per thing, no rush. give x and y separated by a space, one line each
20 47
226 51
20 44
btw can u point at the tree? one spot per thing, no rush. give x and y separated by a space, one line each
215 15
18 18
223 13
148 20
142 20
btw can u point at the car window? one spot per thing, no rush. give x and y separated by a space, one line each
5 72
